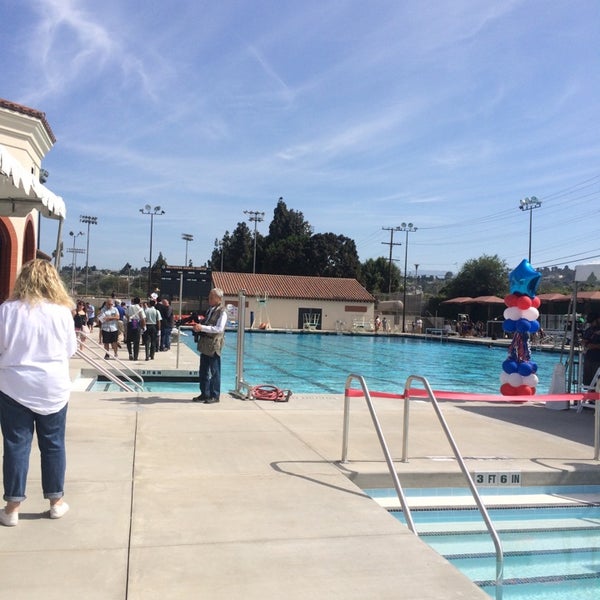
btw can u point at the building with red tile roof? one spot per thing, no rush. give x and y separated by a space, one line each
298 302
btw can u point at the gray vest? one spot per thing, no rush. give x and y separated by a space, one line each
210 344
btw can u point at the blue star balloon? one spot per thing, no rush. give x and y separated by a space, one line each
524 279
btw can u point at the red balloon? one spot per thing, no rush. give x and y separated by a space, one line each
510 300
507 390
524 302
525 390
536 302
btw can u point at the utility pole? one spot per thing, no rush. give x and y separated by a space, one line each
391 245
254 216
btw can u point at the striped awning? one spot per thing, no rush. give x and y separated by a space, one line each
21 192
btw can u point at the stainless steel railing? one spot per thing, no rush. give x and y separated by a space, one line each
122 375
401 497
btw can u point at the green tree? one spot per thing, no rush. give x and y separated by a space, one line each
375 276
237 249
126 270
155 273
286 223
332 255
288 256
484 276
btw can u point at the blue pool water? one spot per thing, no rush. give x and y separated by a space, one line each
551 553
316 363
319 363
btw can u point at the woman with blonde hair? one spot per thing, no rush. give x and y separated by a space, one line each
37 338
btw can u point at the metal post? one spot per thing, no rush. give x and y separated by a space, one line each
408 228
148 210
530 204
188 237
90 221
255 216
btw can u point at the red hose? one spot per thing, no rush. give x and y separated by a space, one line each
270 392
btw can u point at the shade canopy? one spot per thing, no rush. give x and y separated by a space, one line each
488 300
554 297
592 296
459 300
21 192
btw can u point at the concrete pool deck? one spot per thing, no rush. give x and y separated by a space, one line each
245 500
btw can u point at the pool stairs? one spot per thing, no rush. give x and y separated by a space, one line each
551 541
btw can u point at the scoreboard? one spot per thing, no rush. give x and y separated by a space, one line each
197 283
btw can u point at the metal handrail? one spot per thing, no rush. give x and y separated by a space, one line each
383 443
115 374
390 463
463 467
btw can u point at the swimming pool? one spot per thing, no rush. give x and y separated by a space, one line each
317 363
312 363
550 552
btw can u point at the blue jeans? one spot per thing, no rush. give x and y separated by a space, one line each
18 423
210 375
165 338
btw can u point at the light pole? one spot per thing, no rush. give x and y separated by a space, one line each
74 251
221 250
256 217
417 288
188 237
530 204
89 221
407 228
148 210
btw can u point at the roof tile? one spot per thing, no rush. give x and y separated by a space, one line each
292 286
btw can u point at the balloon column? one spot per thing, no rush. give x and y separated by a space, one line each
518 376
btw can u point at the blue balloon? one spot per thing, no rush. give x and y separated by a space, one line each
509 366
535 326
533 367
524 279
525 369
523 325
509 325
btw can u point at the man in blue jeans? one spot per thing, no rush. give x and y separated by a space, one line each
210 343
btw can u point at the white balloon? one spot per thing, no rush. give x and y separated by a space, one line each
512 313
531 314
515 379
504 377
531 380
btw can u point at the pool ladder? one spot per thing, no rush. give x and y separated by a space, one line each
390 462
123 375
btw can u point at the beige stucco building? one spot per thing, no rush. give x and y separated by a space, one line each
299 302
25 138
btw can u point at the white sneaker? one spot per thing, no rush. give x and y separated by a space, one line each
59 510
9 520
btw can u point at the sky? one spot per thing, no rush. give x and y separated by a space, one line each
361 115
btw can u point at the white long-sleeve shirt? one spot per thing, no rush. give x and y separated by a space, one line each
36 342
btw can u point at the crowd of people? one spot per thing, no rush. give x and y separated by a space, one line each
133 324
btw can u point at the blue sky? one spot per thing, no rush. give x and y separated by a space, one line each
360 114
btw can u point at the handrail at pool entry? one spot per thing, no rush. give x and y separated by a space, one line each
97 361
386 451
474 492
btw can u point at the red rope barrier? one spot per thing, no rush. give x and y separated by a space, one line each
472 397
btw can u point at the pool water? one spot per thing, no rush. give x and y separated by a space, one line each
549 552
317 363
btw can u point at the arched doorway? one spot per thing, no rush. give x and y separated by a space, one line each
29 241
8 257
